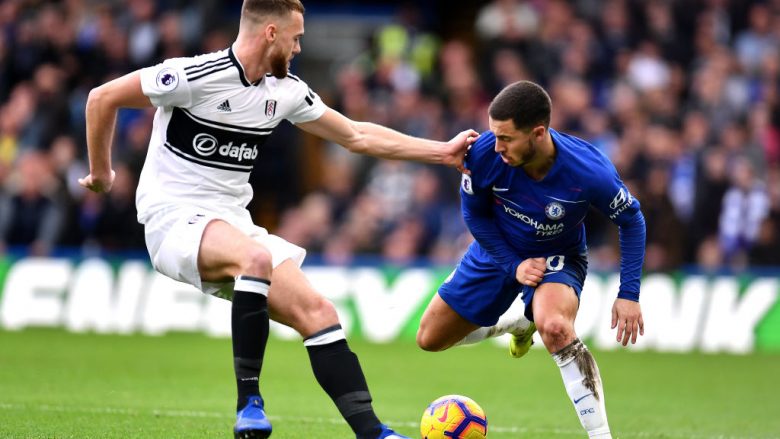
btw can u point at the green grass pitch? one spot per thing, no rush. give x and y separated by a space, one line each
59 385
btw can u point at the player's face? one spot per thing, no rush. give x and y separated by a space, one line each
287 44
517 147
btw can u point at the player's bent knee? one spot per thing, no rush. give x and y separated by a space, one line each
429 343
555 329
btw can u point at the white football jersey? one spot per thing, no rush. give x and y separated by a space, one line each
209 129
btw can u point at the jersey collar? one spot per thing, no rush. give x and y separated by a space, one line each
240 68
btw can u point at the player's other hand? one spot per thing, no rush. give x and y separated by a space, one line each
531 271
457 148
627 317
98 183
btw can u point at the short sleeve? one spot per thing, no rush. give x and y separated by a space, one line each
307 105
166 84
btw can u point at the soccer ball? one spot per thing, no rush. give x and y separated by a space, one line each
453 417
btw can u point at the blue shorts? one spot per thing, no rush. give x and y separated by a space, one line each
480 291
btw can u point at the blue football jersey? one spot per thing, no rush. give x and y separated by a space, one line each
514 217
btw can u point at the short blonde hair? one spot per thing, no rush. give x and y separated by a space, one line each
257 10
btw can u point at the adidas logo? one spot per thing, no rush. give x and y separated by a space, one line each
225 107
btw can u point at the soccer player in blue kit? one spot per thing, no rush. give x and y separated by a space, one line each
525 200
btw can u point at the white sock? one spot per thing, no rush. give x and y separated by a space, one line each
507 324
583 384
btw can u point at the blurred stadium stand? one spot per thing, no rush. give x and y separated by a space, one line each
683 95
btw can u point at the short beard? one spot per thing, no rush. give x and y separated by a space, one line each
529 155
279 66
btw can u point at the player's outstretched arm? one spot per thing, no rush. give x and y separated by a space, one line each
627 318
103 104
379 141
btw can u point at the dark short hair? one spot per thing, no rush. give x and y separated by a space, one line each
525 103
257 9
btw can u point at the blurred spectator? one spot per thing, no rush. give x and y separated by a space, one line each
711 185
665 232
510 21
116 227
29 213
745 206
143 31
753 43
765 249
68 168
51 117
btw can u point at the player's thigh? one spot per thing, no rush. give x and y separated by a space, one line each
554 300
566 277
294 302
479 291
441 327
226 252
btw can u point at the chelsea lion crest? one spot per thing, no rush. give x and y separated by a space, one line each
554 211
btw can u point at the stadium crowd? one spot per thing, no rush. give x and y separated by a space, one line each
682 95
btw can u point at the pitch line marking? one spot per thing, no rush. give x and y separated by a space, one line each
315 420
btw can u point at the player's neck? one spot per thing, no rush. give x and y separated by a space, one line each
251 55
544 160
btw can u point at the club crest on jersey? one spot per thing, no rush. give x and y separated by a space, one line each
167 79
270 108
554 211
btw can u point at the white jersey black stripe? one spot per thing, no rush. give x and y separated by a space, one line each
206 65
217 68
226 126
210 127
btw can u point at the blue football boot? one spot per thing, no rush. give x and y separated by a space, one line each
387 433
251 422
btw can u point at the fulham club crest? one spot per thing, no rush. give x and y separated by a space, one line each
270 108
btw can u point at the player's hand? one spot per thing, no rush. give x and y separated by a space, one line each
531 271
627 317
97 183
457 148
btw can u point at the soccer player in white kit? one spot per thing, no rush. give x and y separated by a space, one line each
214 113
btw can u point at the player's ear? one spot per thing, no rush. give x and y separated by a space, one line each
270 32
538 132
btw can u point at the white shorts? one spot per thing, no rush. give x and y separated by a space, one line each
173 240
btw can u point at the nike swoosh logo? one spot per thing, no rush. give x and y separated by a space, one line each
500 189
581 398
443 417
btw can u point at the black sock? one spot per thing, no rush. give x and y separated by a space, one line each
338 371
250 334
